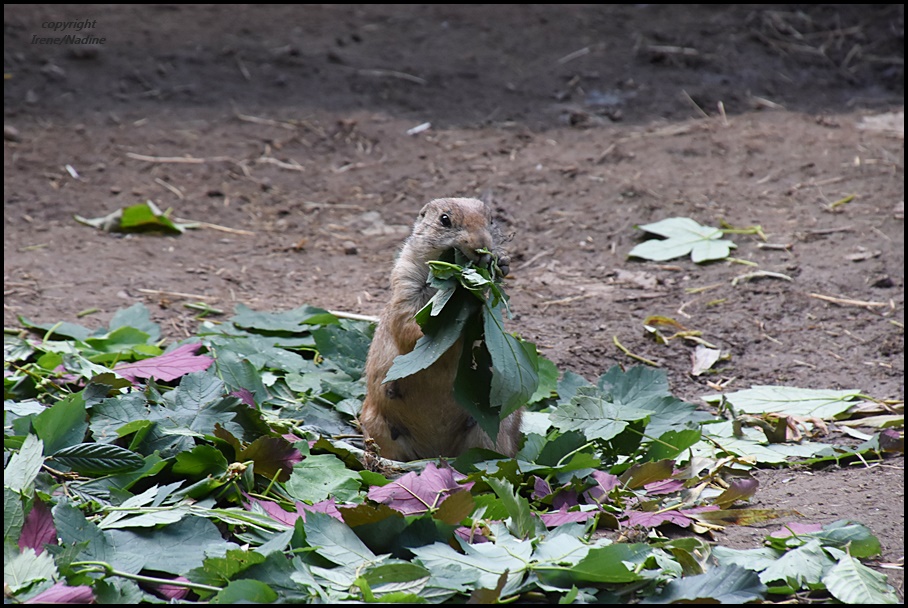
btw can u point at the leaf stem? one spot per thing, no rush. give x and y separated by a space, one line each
109 570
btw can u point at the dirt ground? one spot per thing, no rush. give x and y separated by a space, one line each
577 122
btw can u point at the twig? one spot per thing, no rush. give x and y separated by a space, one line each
266 121
841 201
354 316
780 247
533 259
845 301
179 294
183 220
294 166
394 74
761 274
170 187
694 103
576 54
762 101
242 67
166 159
673 50
545 305
624 349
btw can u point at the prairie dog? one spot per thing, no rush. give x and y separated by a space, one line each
417 416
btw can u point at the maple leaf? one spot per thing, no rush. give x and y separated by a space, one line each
417 493
169 366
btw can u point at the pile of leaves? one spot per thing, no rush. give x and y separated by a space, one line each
227 468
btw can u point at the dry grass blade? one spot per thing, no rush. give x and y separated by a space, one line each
166 159
846 301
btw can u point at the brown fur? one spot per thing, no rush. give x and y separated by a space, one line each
418 416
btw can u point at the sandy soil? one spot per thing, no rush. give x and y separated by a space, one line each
577 122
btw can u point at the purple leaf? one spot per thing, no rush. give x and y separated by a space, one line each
172 592
61 594
417 493
564 499
325 506
740 489
541 488
244 395
666 486
892 440
652 519
563 516
474 537
169 366
38 529
793 529
605 483
276 512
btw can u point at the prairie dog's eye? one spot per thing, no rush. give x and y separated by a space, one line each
445 220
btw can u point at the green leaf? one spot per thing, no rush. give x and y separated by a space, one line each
484 562
826 404
591 412
291 321
218 571
752 559
440 334
201 460
346 348
13 513
336 542
515 374
548 380
144 217
724 585
239 373
198 404
683 236
98 458
609 564
62 424
851 582
843 534
176 548
245 591
59 330
521 522
23 466
319 477
138 317
28 568
671 444
799 567
474 380
118 341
